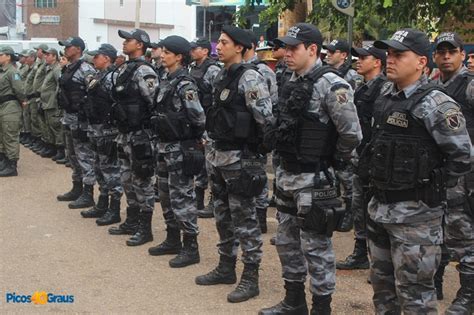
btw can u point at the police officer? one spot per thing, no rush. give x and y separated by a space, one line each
156 50
179 123
470 60
270 78
134 92
29 57
338 57
11 96
282 73
240 109
370 65
459 224
317 129
102 135
74 80
30 98
419 144
49 105
204 70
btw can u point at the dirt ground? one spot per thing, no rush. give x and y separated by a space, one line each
45 246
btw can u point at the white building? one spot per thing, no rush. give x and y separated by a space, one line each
99 20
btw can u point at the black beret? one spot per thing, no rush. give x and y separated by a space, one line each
238 35
176 44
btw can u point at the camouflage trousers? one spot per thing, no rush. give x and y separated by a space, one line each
107 166
36 121
9 133
53 129
459 228
26 118
236 216
303 252
177 197
345 179
261 200
85 158
403 260
202 179
138 189
359 208
71 155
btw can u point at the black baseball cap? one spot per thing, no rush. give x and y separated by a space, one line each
338 44
137 34
156 45
176 44
449 37
370 50
238 35
407 39
201 42
104 49
300 33
253 38
73 41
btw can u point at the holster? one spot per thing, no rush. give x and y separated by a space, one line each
251 180
193 157
325 216
142 156
107 146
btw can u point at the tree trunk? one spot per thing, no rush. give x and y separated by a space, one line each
290 18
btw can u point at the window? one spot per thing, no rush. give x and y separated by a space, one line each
46 3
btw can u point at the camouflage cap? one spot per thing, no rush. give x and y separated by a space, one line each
7 50
43 47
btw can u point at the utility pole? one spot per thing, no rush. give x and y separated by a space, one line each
138 4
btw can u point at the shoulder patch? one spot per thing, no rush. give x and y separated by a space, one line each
150 82
190 95
16 77
253 94
453 119
339 86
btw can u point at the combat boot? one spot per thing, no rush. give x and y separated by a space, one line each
43 148
143 234
99 209
188 255
463 303
3 161
112 215
73 194
59 153
49 152
199 197
294 302
208 211
321 305
22 137
224 273
348 219
10 169
38 145
170 246
62 161
86 199
31 143
262 219
358 259
130 226
248 285
27 139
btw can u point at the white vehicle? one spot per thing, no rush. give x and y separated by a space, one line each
19 45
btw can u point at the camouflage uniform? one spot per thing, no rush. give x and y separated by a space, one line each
304 251
49 104
176 189
405 236
30 100
24 70
37 120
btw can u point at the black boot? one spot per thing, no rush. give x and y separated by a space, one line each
73 194
224 273
59 153
262 219
273 240
38 145
188 255
321 305
86 199
143 234
49 152
28 139
294 302
130 226
3 161
22 137
31 143
248 285
208 211
10 169
348 219
112 215
199 197
42 148
99 209
170 246
358 259
463 303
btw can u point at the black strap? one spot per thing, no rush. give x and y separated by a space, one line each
7 98
31 96
393 196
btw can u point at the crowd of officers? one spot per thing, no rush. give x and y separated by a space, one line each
383 149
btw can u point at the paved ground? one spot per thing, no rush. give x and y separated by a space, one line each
44 246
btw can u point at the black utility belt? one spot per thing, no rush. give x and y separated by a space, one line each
7 98
293 167
231 146
31 96
424 194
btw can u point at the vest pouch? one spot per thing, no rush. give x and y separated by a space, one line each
380 161
405 157
193 158
311 140
142 156
243 125
251 180
134 115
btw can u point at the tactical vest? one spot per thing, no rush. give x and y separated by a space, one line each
99 100
282 74
403 153
205 92
172 124
364 98
303 139
457 90
228 120
71 94
132 112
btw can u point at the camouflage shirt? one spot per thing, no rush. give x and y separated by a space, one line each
49 88
454 143
332 100
30 78
257 98
10 84
40 74
270 78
